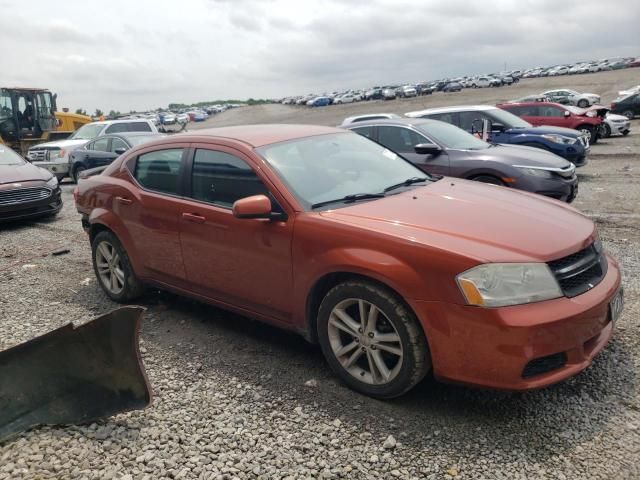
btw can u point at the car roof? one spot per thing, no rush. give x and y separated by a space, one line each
111 122
408 122
529 103
459 108
261 134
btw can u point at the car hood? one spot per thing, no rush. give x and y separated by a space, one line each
22 173
616 118
62 144
518 155
547 130
486 223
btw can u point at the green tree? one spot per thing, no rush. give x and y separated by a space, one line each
81 111
98 113
114 114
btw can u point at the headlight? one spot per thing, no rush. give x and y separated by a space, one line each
54 154
52 182
536 172
502 284
560 139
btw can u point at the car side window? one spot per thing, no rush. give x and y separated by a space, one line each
530 110
550 111
364 131
117 128
100 145
138 127
159 171
471 120
221 179
399 139
118 143
443 117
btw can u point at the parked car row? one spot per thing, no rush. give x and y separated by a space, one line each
583 67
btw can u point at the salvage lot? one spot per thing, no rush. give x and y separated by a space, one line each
243 400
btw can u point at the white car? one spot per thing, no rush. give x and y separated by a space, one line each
408 91
182 118
615 125
562 70
481 82
346 98
571 97
367 117
54 156
630 91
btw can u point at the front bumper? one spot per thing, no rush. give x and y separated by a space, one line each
60 168
20 211
491 347
619 127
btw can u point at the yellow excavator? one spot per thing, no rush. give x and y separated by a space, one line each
29 116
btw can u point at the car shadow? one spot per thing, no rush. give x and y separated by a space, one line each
433 416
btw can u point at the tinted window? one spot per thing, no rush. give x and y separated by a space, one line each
221 178
117 128
118 143
139 127
550 111
159 170
443 117
99 145
400 139
364 131
471 120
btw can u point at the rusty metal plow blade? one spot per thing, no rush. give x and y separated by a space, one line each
74 374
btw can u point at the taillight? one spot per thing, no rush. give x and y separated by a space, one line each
613 105
76 195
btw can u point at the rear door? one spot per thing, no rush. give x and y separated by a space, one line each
403 140
242 262
151 212
98 153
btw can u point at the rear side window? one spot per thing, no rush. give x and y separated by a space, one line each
221 178
139 127
443 117
159 171
364 131
117 128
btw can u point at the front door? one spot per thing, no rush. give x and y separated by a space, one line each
241 262
403 140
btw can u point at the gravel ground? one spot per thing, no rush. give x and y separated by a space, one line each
238 399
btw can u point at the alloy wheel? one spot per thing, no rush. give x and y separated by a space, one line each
587 132
109 267
365 342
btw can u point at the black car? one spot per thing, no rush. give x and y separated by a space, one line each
452 87
105 149
26 191
425 89
628 106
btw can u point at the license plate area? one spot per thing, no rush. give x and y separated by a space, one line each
616 305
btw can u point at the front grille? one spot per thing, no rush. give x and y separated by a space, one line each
544 365
23 195
581 271
40 154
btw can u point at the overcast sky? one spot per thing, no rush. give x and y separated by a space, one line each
142 54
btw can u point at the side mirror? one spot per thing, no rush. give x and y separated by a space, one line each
427 149
497 127
119 151
567 113
257 206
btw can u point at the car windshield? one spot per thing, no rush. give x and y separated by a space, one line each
327 167
509 120
140 139
87 132
452 137
9 157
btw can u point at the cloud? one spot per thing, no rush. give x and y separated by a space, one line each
143 54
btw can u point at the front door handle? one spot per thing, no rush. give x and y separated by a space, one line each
124 200
193 217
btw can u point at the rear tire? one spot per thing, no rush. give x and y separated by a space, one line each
583 103
372 340
490 179
113 269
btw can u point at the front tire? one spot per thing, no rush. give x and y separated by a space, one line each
628 114
590 132
607 131
77 171
583 103
490 179
113 269
372 340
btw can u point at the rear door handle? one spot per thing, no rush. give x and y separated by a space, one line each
124 200
192 217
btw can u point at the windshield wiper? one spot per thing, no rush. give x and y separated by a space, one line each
406 183
349 198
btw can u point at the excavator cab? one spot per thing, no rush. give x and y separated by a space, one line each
27 116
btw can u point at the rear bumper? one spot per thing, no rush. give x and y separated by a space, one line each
20 211
491 347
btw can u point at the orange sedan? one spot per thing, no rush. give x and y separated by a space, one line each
395 273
